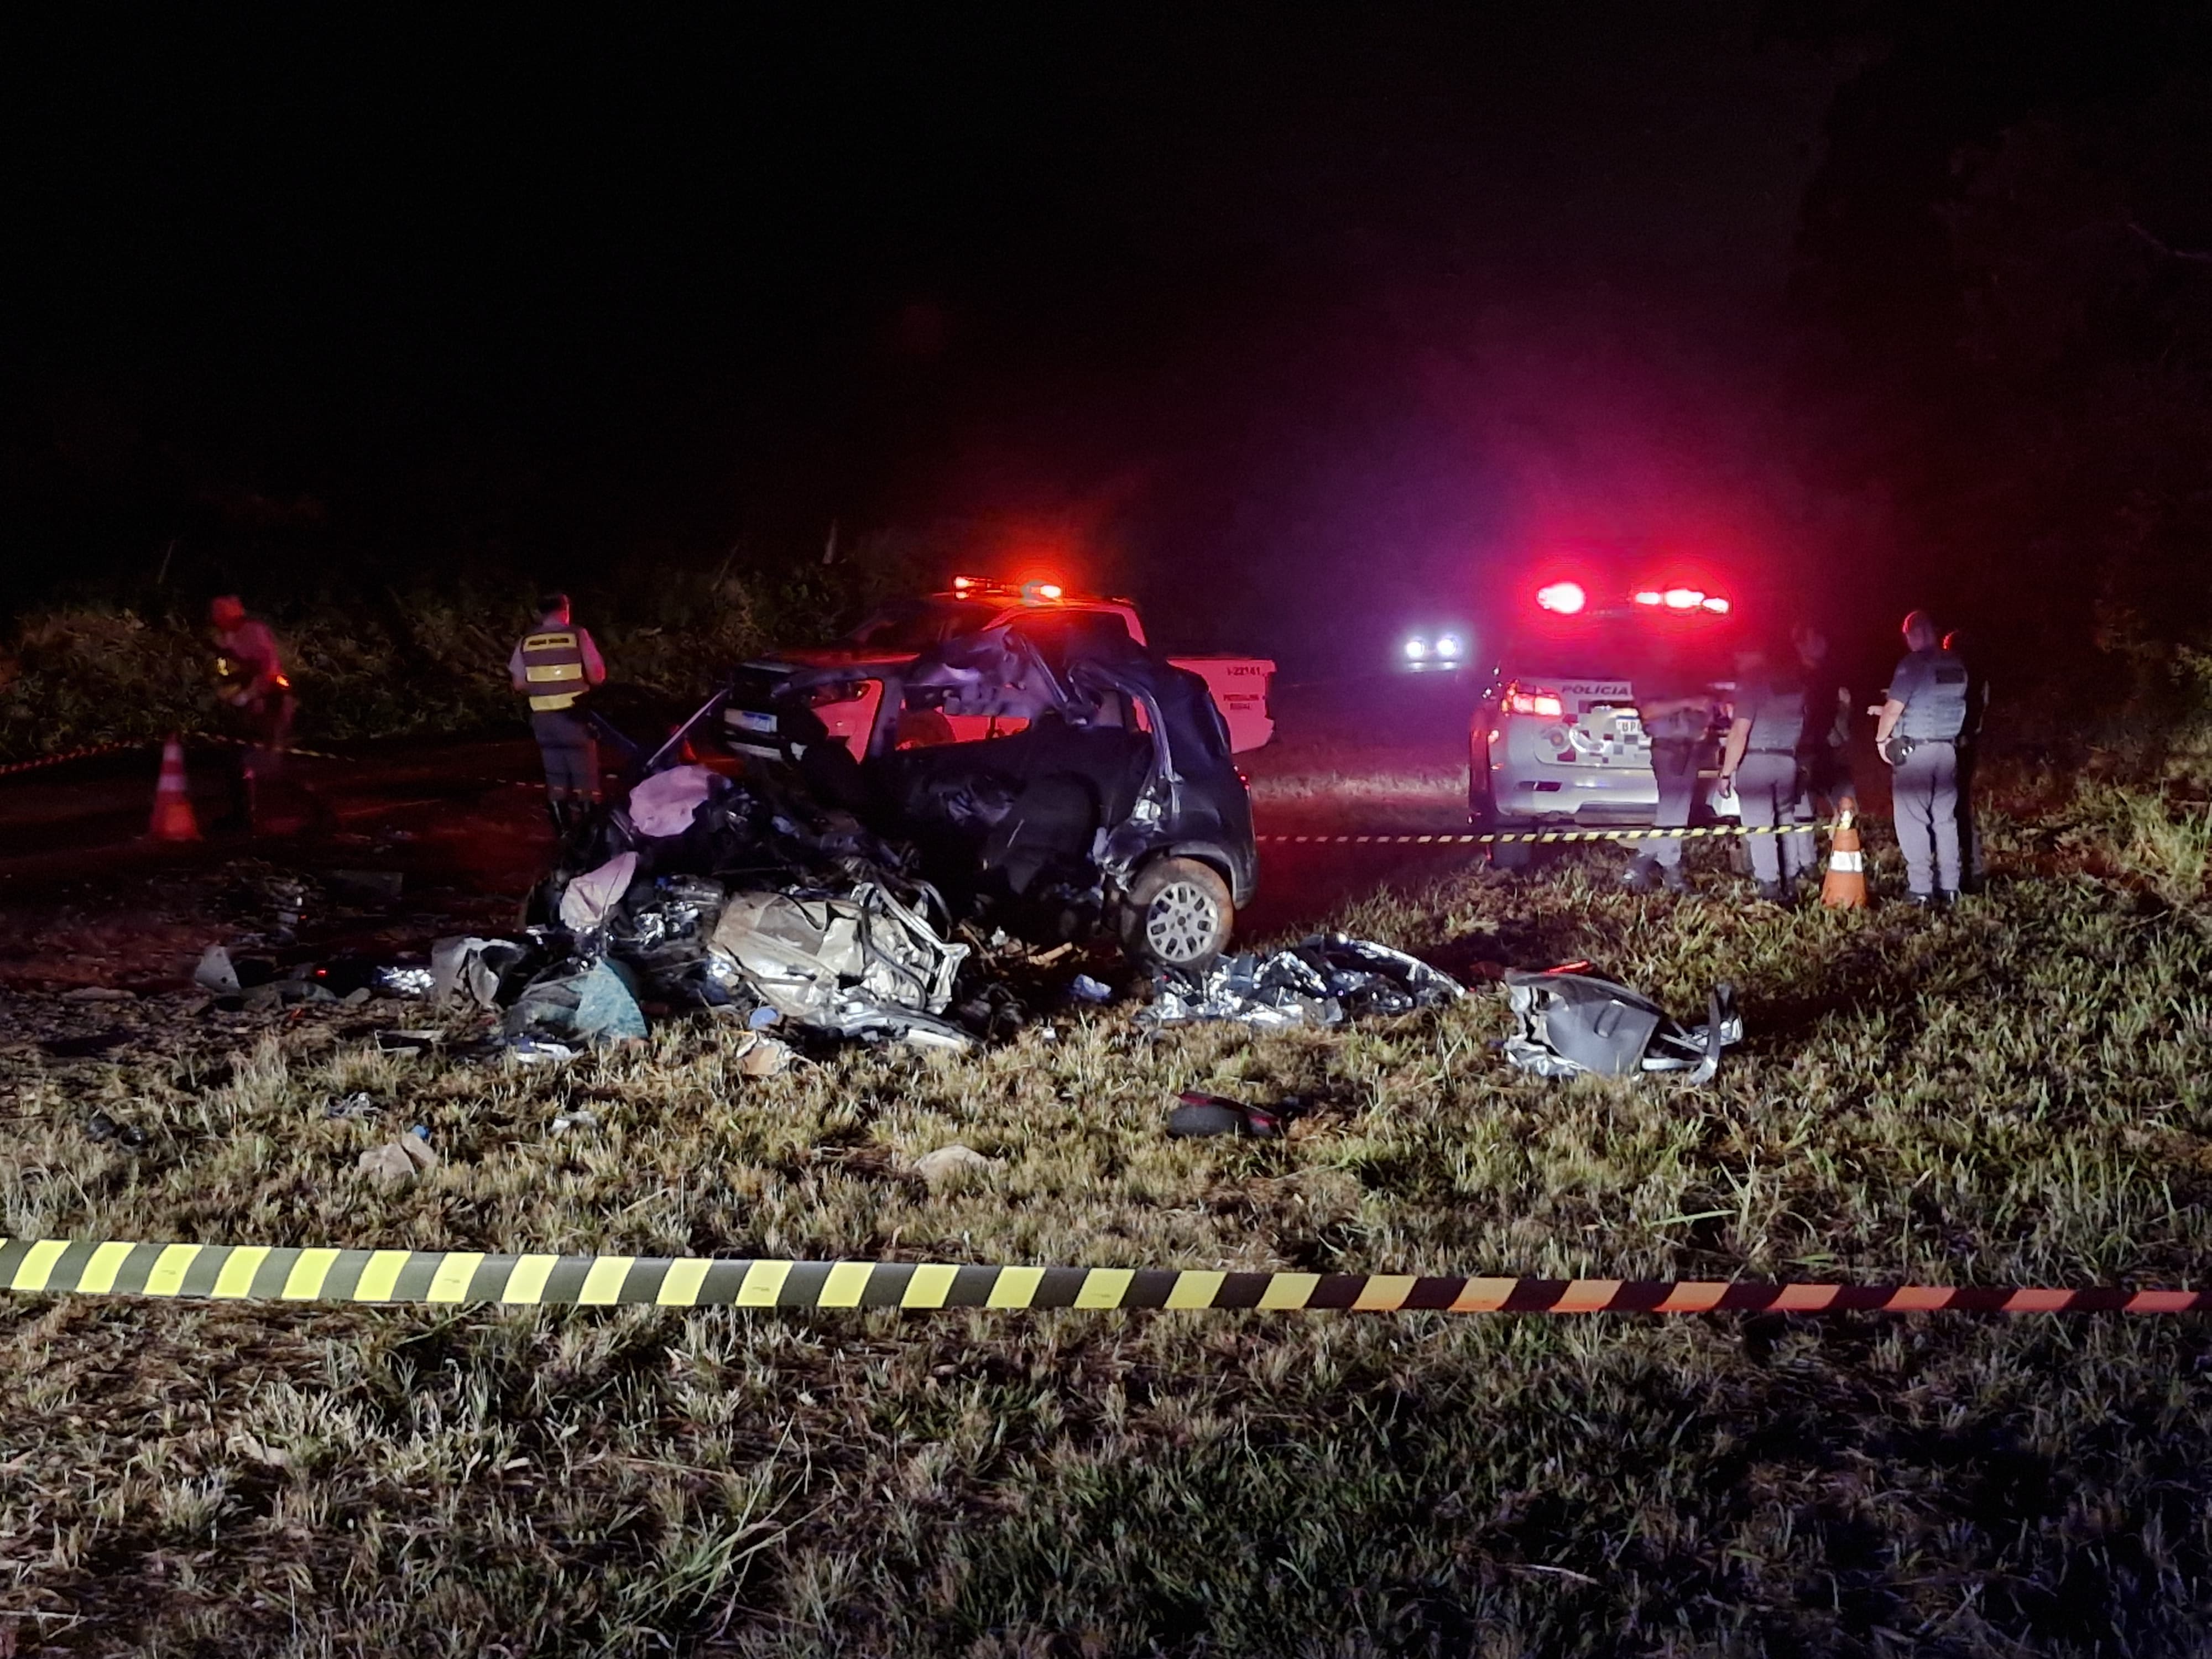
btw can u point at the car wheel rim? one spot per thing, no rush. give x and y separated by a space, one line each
1182 922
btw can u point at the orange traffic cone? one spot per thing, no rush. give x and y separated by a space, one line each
1843 887
173 798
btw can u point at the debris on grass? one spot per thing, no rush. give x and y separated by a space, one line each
1197 1114
1571 1022
100 1127
396 1162
1324 982
948 1164
217 973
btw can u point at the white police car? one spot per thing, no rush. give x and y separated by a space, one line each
1557 738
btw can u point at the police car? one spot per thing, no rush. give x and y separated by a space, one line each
1557 738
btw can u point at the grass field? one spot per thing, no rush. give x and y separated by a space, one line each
2014 1093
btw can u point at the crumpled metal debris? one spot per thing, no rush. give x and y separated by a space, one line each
1567 1024
1324 981
863 965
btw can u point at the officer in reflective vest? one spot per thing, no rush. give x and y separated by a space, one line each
556 666
1917 731
1760 760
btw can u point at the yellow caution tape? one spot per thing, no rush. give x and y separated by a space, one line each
261 1273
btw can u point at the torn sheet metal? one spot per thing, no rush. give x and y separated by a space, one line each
1568 1023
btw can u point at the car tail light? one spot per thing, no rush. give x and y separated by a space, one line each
1533 700
1565 597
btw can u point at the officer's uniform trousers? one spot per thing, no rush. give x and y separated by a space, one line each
1924 801
1674 768
570 752
1767 789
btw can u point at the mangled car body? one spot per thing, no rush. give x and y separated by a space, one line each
1054 777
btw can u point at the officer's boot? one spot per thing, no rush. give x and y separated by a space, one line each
1672 878
556 814
1638 877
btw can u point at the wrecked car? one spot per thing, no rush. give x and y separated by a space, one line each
1056 778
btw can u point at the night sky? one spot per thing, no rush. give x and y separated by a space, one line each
1238 305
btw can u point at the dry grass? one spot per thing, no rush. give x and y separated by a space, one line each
2015 1093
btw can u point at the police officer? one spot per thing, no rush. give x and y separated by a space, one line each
250 677
1825 782
1760 760
1917 731
1970 749
555 665
1678 719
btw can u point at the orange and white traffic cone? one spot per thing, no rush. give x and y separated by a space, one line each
173 798
1842 886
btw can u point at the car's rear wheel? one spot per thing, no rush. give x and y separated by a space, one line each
1178 914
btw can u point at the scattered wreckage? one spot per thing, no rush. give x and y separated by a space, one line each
784 876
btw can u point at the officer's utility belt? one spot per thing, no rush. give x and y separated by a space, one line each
1899 748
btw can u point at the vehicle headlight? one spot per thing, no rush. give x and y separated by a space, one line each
1417 649
1448 645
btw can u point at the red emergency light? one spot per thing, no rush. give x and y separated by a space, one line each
1683 598
1564 598
1548 704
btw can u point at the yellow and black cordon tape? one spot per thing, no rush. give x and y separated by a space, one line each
1490 837
263 1273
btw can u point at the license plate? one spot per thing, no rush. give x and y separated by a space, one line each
749 720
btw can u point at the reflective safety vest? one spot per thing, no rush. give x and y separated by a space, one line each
553 668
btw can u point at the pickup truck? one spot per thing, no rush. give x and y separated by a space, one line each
973 605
